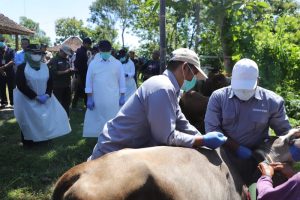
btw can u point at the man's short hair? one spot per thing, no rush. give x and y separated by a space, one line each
104 46
87 41
172 65
25 39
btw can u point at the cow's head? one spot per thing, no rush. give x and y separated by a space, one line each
277 149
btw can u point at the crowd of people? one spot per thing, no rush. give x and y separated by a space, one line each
103 77
121 115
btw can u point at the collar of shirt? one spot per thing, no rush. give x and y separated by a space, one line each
173 80
257 94
111 58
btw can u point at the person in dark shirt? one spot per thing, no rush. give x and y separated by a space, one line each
81 66
60 69
7 74
152 67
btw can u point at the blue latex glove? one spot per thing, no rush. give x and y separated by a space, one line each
214 139
122 100
42 98
244 152
295 152
90 102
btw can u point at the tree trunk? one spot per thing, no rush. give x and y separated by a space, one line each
123 31
162 31
197 17
226 45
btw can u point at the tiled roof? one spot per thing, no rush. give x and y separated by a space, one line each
73 42
8 26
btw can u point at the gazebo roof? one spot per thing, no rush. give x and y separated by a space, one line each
73 42
8 26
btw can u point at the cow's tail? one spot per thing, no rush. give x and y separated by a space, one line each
63 184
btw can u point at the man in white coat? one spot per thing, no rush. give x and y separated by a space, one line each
129 71
105 89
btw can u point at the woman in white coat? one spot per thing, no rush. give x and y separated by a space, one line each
129 71
105 88
38 113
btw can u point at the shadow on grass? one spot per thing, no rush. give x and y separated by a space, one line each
30 173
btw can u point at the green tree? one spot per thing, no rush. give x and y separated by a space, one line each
107 13
40 35
67 27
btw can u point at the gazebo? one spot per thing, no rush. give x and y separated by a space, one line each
8 26
73 42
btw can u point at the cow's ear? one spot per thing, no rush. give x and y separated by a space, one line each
295 132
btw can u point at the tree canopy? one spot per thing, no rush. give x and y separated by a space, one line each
40 35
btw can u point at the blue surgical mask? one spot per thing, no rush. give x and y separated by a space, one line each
188 85
122 59
105 55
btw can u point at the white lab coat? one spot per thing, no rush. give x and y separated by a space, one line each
39 122
105 80
129 69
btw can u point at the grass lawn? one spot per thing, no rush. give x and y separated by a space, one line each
31 173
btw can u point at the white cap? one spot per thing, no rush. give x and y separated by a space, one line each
189 56
244 74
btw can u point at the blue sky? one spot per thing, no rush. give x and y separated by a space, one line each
45 12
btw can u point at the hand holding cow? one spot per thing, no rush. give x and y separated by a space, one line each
265 169
211 140
243 152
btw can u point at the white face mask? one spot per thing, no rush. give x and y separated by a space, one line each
36 57
243 94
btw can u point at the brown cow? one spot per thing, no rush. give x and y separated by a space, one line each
194 103
165 173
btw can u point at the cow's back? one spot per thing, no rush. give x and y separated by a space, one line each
151 173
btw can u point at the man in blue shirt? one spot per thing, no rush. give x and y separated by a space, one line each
19 55
244 112
152 115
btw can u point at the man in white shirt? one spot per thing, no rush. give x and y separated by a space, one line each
105 88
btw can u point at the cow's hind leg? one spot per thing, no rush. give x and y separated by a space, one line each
63 184
149 191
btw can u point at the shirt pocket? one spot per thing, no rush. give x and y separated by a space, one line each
228 119
260 121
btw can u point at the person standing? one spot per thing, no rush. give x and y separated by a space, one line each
105 89
7 74
152 67
61 72
129 70
47 55
38 112
19 56
81 67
